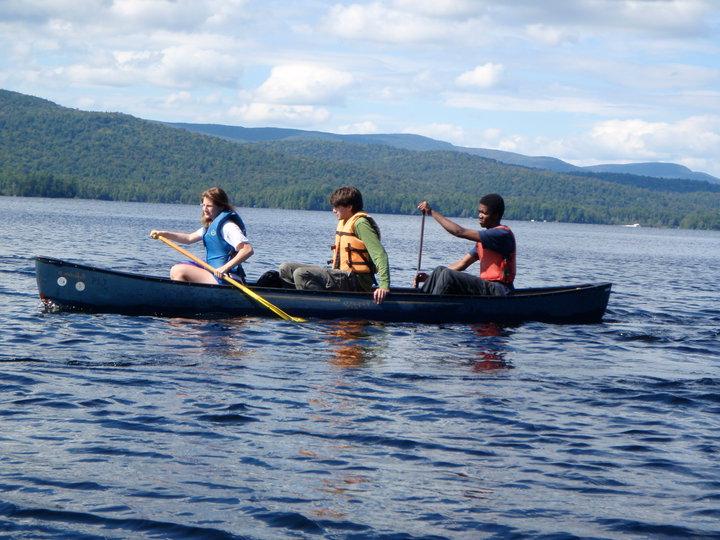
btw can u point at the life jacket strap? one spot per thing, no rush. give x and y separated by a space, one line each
364 255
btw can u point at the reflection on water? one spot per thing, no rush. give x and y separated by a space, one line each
349 343
491 362
339 406
222 337
491 355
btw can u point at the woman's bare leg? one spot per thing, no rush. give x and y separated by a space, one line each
194 274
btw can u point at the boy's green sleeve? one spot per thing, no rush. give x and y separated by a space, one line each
376 250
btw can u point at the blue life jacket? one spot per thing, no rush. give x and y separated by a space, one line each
217 250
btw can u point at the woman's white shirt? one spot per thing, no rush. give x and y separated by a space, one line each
231 233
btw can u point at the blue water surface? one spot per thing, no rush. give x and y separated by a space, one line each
143 427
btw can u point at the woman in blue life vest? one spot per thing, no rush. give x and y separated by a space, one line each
222 232
494 247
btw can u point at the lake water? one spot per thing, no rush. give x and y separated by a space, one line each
143 427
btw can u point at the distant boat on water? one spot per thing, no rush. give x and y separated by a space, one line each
632 225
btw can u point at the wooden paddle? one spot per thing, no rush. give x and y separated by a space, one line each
422 235
259 299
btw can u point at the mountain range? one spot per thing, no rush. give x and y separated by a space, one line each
421 143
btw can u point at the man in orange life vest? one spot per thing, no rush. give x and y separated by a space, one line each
357 253
494 248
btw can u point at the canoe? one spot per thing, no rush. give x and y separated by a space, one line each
68 286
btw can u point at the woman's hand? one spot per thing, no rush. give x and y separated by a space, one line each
221 271
154 234
424 207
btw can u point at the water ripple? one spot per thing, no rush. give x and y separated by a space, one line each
129 526
152 427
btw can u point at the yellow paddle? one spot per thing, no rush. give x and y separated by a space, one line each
259 299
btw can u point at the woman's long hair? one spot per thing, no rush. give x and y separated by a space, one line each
219 198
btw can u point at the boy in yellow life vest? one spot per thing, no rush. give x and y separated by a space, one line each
357 253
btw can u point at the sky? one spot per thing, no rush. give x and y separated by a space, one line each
586 81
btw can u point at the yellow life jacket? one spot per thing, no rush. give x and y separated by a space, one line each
349 252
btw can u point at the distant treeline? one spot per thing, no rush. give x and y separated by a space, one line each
51 151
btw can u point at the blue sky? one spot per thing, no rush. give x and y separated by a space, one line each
587 81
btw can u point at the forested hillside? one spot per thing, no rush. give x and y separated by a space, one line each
388 157
409 141
48 150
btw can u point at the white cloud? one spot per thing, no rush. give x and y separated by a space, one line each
225 13
490 136
563 104
709 166
550 22
638 139
187 65
691 142
79 74
511 143
120 18
708 100
306 84
496 139
441 8
672 76
484 76
445 132
177 14
175 67
646 76
665 18
365 127
548 35
133 57
626 137
177 98
377 22
43 10
676 17
298 115
214 98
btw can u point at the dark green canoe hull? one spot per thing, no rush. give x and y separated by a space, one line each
74 287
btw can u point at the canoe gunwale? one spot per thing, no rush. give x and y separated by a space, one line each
529 291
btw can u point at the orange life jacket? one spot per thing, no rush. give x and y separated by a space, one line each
349 252
495 266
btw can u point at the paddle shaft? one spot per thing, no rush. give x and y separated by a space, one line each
422 236
252 294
